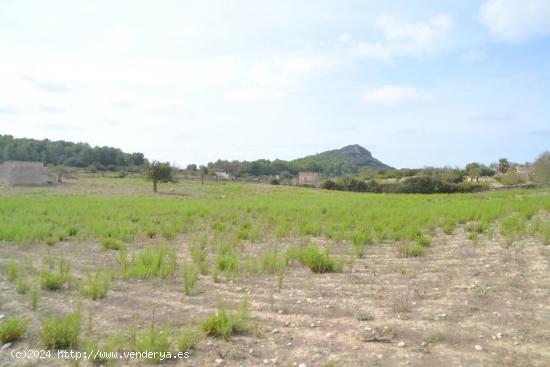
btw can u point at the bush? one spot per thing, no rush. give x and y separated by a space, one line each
12 329
275 182
61 332
512 178
318 262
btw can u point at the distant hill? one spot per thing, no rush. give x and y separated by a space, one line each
348 160
67 153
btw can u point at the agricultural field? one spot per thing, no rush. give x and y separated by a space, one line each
247 275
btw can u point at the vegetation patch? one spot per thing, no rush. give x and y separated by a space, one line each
12 329
61 332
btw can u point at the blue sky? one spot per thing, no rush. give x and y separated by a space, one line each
416 82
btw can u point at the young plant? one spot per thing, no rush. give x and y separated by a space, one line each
53 280
96 285
224 324
153 340
153 262
189 278
12 329
317 261
190 338
34 297
22 286
61 332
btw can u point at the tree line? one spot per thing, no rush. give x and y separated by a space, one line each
80 155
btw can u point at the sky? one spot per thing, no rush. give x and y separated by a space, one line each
418 83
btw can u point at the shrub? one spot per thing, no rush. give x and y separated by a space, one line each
227 263
61 332
12 329
512 178
363 315
318 262
97 285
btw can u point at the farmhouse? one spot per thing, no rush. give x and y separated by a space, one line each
15 173
307 178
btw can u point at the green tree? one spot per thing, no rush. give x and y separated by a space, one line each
474 170
541 168
159 172
503 166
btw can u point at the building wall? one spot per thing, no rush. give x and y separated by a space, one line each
22 173
308 178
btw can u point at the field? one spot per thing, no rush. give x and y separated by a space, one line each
248 275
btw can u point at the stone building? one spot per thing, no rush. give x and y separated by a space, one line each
307 178
15 173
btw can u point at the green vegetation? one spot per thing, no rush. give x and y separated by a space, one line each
61 332
190 338
68 154
12 329
153 340
317 261
56 279
110 243
189 278
225 323
96 285
159 172
152 262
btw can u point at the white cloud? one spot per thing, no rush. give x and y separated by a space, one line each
407 39
516 21
391 95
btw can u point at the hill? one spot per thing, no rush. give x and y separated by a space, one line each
67 153
347 160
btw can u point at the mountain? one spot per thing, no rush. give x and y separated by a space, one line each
347 160
67 153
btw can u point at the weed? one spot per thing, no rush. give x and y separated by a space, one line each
153 340
61 332
12 329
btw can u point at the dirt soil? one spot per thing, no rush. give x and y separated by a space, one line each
460 305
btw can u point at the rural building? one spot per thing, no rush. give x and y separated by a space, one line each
15 173
308 178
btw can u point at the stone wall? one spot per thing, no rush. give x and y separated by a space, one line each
15 173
